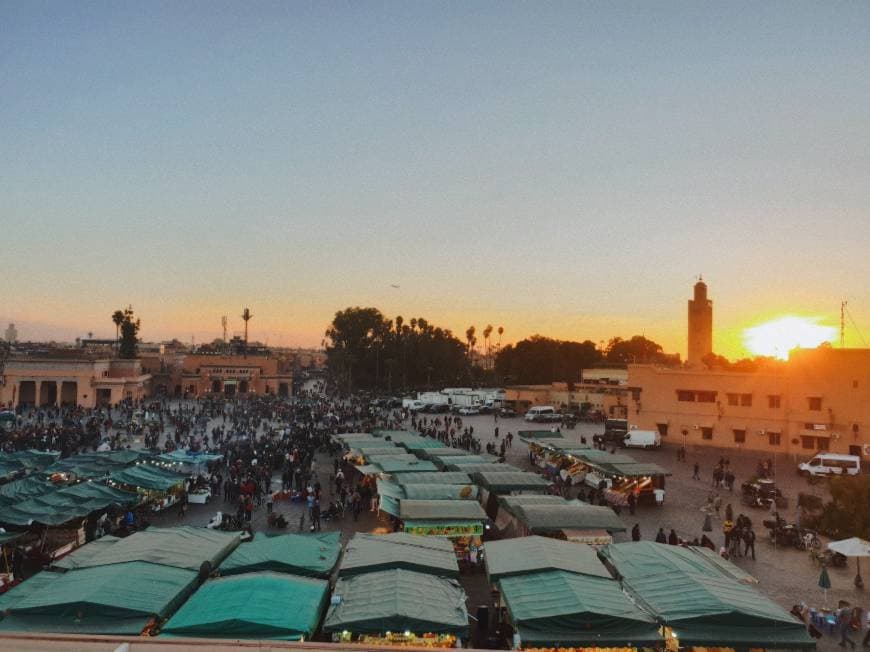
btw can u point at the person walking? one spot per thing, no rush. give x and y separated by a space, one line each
635 532
632 503
749 542
697 473
844 622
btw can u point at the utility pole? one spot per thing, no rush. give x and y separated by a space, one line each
843 324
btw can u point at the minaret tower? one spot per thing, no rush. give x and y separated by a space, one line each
700 324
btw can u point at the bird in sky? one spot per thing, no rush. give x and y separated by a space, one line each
393 285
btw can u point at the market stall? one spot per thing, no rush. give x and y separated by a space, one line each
189 462
701 604
434 477
482 467
506 523
259 606
462 521
552 518
536 554
123 599
498 483
309 555
158 486
367 553
397 607
391 493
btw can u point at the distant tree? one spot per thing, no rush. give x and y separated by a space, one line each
847 514
540 360
637 350
129 334
117 319
470 339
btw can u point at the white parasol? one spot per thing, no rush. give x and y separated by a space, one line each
854 547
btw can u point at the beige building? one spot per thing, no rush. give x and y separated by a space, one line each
235 374
604 390
71 381
818 400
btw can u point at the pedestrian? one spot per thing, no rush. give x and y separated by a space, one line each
315 516
727 528
844 622
632 503
673 539
697 474
635 532
749 542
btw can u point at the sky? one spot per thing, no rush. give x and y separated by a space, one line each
562 168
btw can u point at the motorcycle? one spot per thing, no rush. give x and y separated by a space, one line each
828 558
789 534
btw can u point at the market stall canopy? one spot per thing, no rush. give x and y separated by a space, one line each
478 468
368 469
504 481
464 460
10 537
86 552
32 459
261 606
96 465
631 469
148 476
392 493
533 435
441 510
535 554
397 600
562 609
18 491
366 553
119 599
11 468
402 465
62 505
423 444
181 547
641 558
434 477
443 452
369 451
572 515
310 555
189 462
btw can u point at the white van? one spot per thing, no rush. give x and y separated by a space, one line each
642 439
831 464
541 413
414 405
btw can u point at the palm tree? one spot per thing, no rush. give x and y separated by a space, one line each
486 333
500 333
117 319
469 336
246 315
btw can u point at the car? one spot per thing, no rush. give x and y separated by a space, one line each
469 411
485 409
761 493
439 408
507 413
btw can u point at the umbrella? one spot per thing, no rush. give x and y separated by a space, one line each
853 547
825 582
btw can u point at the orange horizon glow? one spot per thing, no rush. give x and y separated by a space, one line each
777 337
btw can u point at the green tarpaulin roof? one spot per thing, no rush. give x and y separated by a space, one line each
573 515
62 505
312 555
367 452
479 468
182 547
366 553
539 434
434 477
702 602
147 476
32 459
398 600
403 465
441 510
10 537
641 558
535 554
557 608
87 552
18 491
392 493
9 468
511 502
425 443
268 606
117 599
397 456
500 481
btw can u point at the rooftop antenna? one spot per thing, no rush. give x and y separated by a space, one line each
843 324
224 325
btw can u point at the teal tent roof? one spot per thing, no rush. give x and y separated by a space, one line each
434 477
536 554
558 608
366 553
312 555
11 468
188 457
86 553
397 600
260 606
504 481
181 547
96 465
62 505
31 459
392 493
147 476
424 443
572 515
18 491
402 465
117 599
479 468
441 510
641 558
539 434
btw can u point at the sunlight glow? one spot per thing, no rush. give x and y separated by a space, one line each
779 336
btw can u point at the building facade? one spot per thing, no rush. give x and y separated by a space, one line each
819 400
231 375
41 382
603 392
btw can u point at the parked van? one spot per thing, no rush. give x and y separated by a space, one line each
414 405
831 464
541 413
642 439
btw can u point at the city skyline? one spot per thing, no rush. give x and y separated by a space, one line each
566 170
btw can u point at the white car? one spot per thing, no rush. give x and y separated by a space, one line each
469 411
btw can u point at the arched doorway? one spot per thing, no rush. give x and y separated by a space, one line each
47 393
230 389
216 386
243 387
283 389
69 393
27 393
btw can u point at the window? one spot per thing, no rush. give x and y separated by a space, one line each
773 438
663 429
815 403
823 443
808 443
733 399
746 400
774 401
706 397
739 436
685 395
854 384
706 433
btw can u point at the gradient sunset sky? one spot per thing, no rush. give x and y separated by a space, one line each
557 168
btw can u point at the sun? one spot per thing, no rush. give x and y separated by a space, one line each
777 337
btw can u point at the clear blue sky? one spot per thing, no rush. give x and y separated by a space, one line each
563 168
